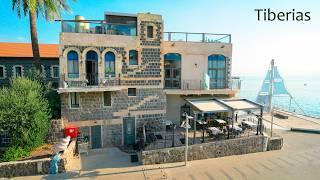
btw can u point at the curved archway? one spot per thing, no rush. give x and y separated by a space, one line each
217 71
92 67
172 71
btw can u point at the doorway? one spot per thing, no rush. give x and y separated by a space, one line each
95 137
129 129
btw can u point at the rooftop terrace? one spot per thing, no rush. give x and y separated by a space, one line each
129 28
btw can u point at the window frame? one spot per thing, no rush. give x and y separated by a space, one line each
52 71
135 92
216 71
152 32
106 74
71 60
103 97
77 96
137 57
14 72
4 72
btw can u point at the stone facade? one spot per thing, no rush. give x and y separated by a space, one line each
148 105
56 130
27 64
229 147
275 143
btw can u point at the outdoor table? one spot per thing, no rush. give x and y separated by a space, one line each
249 124
214 130
220 121
235 127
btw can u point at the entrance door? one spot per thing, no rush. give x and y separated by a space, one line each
96 137
129 129
92 72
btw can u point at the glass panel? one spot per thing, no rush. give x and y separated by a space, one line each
133 57
220 74
131 91
74 99
110 64
55 71
107 98
18 71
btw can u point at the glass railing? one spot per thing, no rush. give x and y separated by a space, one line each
98 27
197 37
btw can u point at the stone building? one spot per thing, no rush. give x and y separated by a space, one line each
16 59
123 73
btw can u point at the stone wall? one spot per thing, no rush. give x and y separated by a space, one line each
38 166
56 131
275 143
229 147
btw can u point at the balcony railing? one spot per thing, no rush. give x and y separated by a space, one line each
234 84
98 27
197 37
89 82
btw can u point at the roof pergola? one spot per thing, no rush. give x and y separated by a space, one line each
213 105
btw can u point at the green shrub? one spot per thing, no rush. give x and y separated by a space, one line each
24 113
13 153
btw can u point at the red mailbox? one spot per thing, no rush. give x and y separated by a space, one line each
71 131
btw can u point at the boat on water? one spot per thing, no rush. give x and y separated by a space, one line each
273 86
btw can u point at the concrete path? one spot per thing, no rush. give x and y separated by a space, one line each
299 159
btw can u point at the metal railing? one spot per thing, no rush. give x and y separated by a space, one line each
91 80
197 37
98 27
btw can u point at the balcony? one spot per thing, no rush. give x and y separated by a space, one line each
191 87
197 37
98 27
92 83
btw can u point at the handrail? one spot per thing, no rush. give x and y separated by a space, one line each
197 37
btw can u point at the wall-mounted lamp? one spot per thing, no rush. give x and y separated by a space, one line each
195 64
172 44
222 46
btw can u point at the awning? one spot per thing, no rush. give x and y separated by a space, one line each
210 105
241 104
223 105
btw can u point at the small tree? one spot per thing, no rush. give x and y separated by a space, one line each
24 113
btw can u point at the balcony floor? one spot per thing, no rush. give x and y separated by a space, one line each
89 89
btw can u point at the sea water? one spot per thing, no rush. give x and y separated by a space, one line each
304 90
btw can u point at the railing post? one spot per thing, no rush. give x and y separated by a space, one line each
169 36
203 37
61 25
186 37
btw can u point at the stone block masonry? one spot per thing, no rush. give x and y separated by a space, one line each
229 147
38 166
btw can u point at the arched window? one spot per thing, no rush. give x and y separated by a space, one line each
110 60
91 55
133 57
17 71
217 71
73 65
172 70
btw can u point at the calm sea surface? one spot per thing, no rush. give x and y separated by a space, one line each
305 91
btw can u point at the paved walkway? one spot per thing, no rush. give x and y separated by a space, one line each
299 159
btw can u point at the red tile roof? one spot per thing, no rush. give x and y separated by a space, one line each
25 50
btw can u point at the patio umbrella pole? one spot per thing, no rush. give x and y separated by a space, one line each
186 140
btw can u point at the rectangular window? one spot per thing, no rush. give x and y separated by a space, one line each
18 71
132 91
1 72
55 71
107 98
150 31
74 100
73 69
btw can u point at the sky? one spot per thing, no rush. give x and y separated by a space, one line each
294 45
